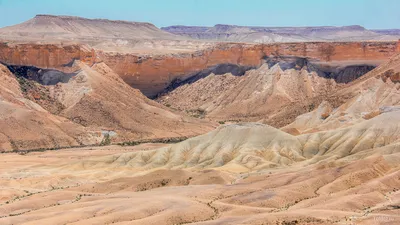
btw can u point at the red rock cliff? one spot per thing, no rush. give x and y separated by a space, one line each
45 56
151 74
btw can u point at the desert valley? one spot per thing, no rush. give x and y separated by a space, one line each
118 122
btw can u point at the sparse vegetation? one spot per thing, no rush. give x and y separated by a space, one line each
311 107
197 113
14 146
106 140
38 93
221 122
25 84
156 140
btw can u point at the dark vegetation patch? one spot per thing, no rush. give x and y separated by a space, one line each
155 140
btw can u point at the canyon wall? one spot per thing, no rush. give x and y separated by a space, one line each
336 51
152 74
46 56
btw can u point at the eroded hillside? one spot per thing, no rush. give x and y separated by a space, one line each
320 141
75 86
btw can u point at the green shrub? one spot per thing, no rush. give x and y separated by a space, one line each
106 140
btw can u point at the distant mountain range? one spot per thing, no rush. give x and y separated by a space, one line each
76 29
235 33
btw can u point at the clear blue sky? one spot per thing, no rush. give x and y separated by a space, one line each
368 13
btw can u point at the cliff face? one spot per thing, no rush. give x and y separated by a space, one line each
45 56
152 74
337 51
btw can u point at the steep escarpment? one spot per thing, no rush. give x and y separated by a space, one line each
46 56
152 74
313 70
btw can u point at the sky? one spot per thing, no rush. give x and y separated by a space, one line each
372 14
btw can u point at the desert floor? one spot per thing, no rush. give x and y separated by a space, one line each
82 186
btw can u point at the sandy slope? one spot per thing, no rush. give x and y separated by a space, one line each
372 94
257 95
245 147
111 104
93 102
20 119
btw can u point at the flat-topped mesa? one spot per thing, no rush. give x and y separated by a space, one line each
46 17
259 34
49 28
184 29
290 30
